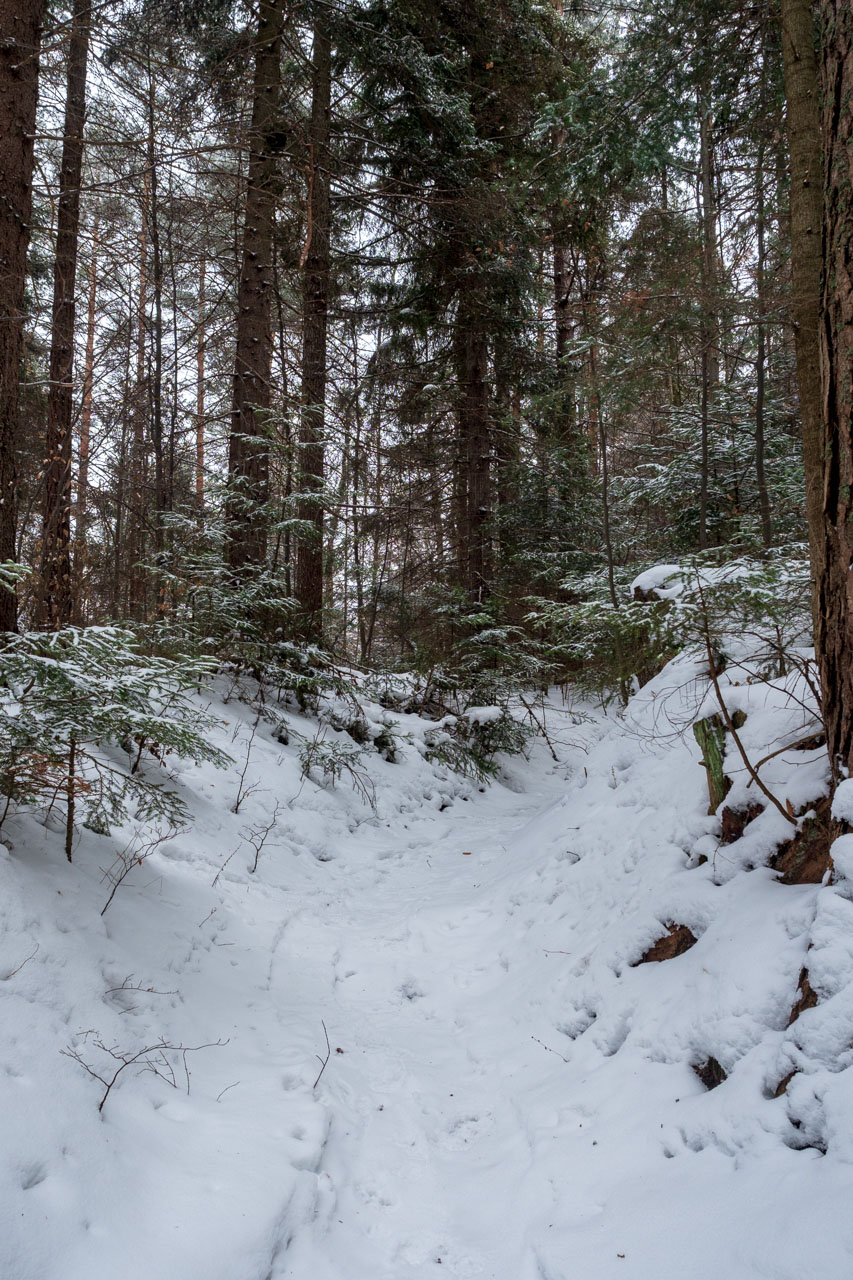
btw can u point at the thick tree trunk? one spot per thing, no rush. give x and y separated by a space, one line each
565 272
55 602
248 450
803 121
472 367
309 565
20 27
835 585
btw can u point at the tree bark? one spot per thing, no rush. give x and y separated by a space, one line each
761 290
803 124
82 498
248 449
199 392
55 601
472 365
834 641
136 514
20 41
316 279
710 338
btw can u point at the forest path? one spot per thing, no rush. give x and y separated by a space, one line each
427 1163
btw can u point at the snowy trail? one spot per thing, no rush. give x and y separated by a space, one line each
430 1162
514 1096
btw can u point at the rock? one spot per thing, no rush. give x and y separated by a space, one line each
807 997
675 942
736 820
710 1072
805 858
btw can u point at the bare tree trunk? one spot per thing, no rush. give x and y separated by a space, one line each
709 330
54 605
199 394
598 426
309 566
761 289
803 120
81 506
835 585
20 23
156 382
474 425
136 532
248 450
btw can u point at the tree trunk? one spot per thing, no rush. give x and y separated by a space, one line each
81 505
803 121
248 449
20 24
55 596
472 363
309 565
709 330
199 394
761 289
835 586
137 504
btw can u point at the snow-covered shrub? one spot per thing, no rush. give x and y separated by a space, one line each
747 604
334 760
470 743
69 698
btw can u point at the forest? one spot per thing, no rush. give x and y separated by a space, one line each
426 423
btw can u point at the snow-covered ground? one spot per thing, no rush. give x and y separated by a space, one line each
508 1094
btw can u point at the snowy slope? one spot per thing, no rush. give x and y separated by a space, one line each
509 1094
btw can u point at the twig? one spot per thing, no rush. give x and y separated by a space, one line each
548 1047
257 836
792 746
540 725
222 868
325 1061
225 1090
152 1057
131 857
21 965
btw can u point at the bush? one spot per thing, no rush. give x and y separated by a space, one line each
63 693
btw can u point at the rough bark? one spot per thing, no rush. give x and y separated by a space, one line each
761 290
835 585
136 514
199 393
248 450
472 366
309 564
710 337
803 125
81 504
20 39
55 595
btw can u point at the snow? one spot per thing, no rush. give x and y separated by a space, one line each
508 1094
484 715
664 579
